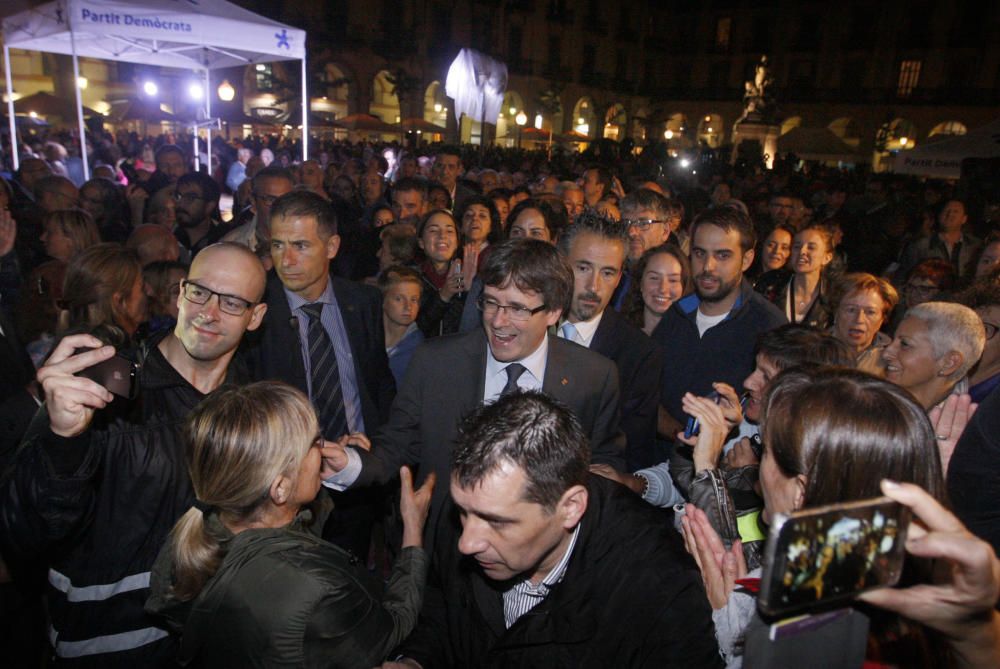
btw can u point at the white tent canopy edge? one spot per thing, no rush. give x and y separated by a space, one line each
192 34
943 159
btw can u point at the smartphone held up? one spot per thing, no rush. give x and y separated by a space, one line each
832 553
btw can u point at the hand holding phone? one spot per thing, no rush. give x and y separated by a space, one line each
960 602
69 399
825 555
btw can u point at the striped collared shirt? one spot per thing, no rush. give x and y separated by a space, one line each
526 595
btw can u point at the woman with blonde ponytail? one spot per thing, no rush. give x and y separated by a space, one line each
242 580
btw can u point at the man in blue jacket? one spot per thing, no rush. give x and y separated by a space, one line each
709 336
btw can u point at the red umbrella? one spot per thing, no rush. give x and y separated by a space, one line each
365 123
423 125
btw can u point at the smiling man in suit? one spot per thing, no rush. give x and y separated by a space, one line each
324 336
596 248
527 286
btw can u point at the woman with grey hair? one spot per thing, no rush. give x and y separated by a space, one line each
934 347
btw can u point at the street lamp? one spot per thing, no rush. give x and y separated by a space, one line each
669 134
195 90
226 91
150 88
520 119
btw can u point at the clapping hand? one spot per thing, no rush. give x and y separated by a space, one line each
720 568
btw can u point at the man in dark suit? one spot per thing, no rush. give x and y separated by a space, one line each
596 248
527 285
324 336
451 169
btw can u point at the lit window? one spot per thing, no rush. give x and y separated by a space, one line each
909 76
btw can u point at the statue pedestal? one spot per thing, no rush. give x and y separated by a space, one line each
766 134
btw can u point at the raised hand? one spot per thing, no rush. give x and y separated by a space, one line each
71 400
720 568
413 506
714 428
959 603
949 420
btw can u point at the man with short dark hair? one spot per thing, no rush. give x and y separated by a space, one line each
950 243
595 249
526 287
448 163
553 568
171 164
409 200
709 336
324 334
197 197
596 182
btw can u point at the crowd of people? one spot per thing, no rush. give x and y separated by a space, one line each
454 407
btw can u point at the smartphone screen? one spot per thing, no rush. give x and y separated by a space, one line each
832 553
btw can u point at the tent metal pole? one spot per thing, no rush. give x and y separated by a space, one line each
208 116
79 105
10 109
305 110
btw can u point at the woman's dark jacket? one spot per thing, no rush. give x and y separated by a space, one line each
285 598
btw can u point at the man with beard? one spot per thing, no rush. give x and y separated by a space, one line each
595 248
197 197
709 336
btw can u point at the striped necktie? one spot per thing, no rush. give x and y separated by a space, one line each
327 396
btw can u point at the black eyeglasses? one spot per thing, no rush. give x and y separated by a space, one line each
515 312
229 304
641 224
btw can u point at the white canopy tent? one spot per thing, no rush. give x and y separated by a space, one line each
943 159
200 35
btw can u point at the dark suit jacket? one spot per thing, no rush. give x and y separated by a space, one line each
273 351
446 380
462 193
640 364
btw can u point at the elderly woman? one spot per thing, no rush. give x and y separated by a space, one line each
865 303
242 580
934 347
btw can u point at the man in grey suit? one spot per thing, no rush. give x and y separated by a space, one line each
527 286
